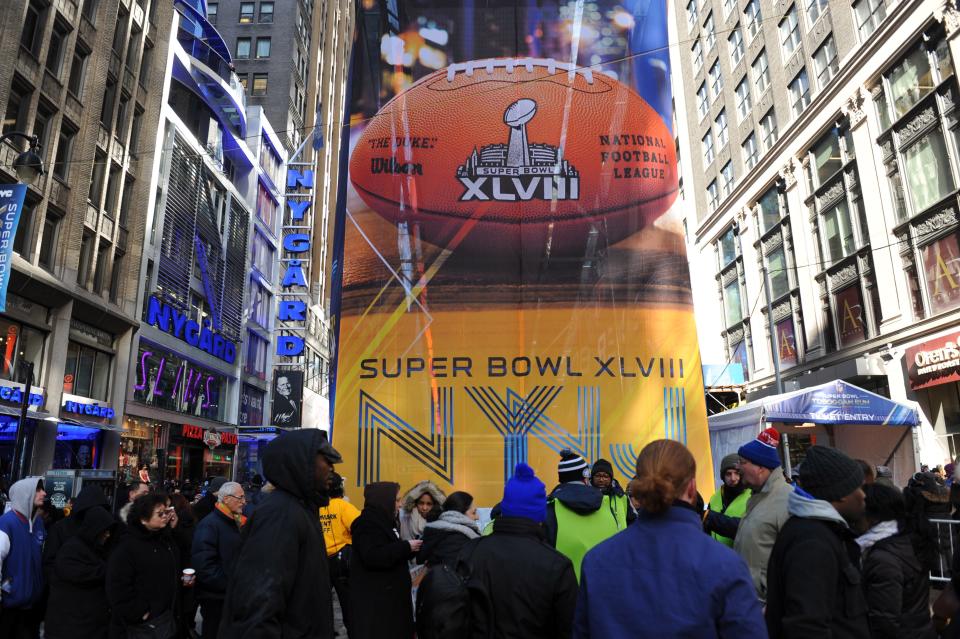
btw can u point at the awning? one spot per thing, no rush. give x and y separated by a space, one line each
835 402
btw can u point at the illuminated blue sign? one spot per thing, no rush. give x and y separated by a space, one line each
181 326
297 242
90 410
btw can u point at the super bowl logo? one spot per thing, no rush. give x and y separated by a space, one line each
518 170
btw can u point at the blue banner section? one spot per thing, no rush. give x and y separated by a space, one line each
839 403
11 203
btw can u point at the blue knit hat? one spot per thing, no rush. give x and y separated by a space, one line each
524 495
762 451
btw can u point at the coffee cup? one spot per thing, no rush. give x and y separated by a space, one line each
188 577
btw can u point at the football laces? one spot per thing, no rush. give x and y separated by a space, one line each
488 65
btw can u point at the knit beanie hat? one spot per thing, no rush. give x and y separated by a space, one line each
601 466
731 461
762 451
524 495
828 474
572 467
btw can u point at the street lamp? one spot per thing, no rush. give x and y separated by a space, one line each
28 164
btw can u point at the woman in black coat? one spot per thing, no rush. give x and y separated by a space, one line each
143 574
78 606
443 538
897 554
380 595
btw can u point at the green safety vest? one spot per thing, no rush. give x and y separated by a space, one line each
578 533
737 508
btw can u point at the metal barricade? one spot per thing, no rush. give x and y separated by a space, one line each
947 530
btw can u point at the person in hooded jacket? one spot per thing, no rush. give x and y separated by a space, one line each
896 558
601 476
78 607
380 596
143 572
662 577
579 516
443 538
421 505
282 586
90 496
21 544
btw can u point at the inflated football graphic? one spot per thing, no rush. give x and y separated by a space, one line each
501 156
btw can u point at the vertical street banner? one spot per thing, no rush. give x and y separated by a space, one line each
287 404
514 281
11 203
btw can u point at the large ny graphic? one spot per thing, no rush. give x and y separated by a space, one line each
517 418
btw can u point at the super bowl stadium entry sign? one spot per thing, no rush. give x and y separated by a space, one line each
514 275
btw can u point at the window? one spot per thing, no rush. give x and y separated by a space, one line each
768 130
212 9
716 80
909 81
113 190
266 12
815 9
18 107
790 33
697 54
927 168
262 257
100 272
58 45
753 17
711 32
22 241
750 153
838 240
707 142
246 12
146 60
31 37
761 72
728 7
21 346
133 48
86 257
825 62
728 247
120 33
48 243
87 372
799 93
732 303
109 97
243 48
255 362
263 47
121 130
97 178
78 68
721 123
735 42
259 84
116 276
41 126
89 10
691 15
135 128
713 196
260 304
61 165
703 102
771 208
126 201
743 100
726 178
869 14
777 270
244 81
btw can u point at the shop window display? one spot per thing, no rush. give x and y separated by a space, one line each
77 447
19 346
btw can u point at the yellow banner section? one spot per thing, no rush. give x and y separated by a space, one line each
459 397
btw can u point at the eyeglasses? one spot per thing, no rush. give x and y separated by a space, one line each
240 498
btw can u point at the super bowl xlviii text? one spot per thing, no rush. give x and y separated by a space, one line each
537 366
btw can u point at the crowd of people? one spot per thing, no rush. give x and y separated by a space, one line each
835 551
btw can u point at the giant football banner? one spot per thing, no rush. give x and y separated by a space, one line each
514 281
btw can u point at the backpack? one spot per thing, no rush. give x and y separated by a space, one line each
444 599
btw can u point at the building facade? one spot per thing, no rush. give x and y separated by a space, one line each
200 364
84 77
820 157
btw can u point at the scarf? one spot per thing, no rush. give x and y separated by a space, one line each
456 522
878 533
239 519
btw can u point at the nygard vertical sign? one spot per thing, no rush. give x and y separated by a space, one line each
514 275
295 291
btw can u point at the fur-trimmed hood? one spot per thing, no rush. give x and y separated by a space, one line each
426 486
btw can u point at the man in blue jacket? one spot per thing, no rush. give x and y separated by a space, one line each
21 544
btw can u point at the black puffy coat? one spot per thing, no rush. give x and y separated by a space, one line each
78 606
530 586
281 586
216 542
380 588
443 539
814 583
898 590
143 576
90 496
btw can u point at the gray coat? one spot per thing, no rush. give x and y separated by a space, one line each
766 514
